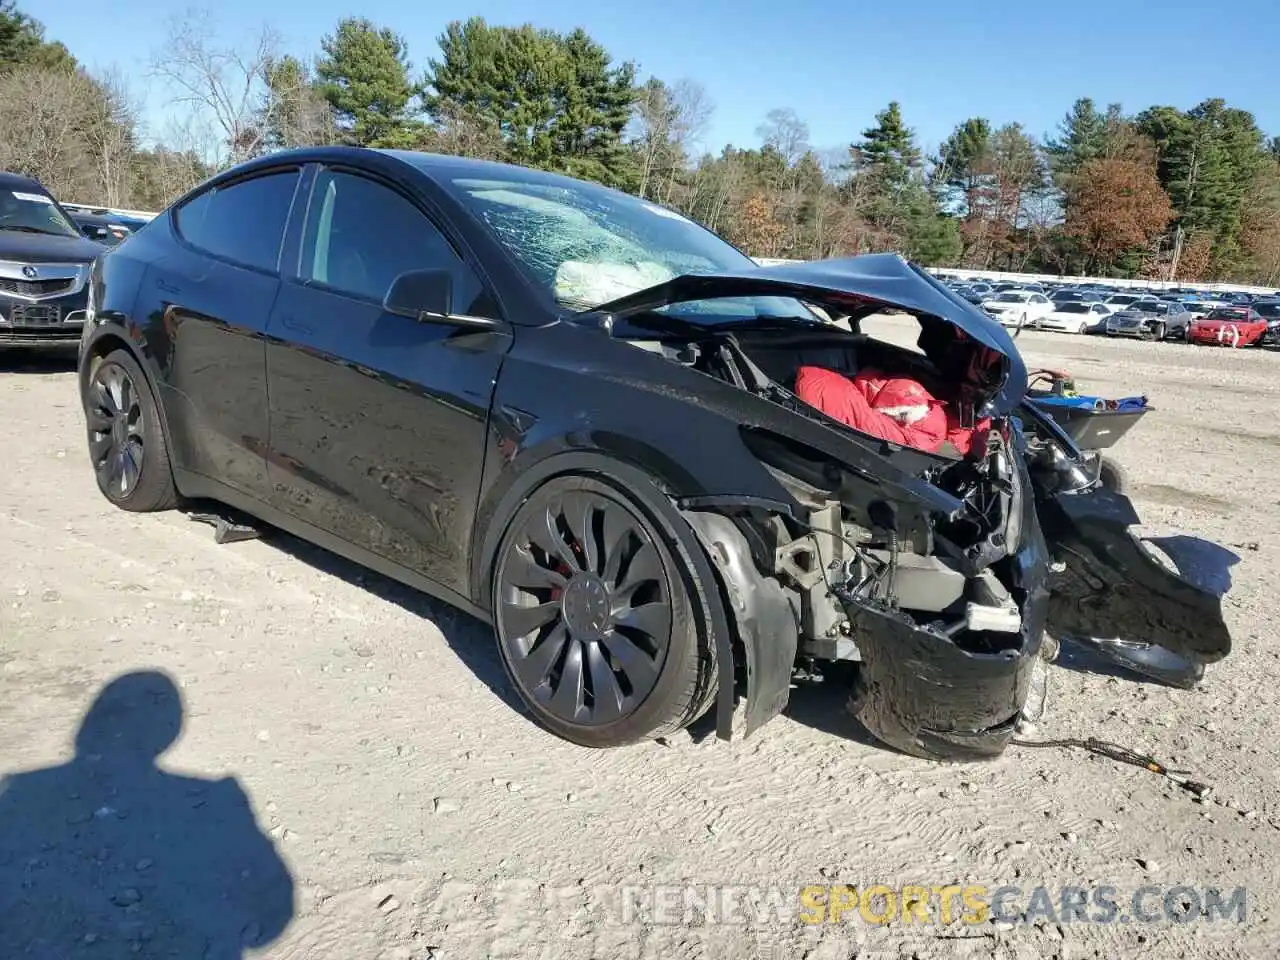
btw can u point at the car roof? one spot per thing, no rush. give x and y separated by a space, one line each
16 181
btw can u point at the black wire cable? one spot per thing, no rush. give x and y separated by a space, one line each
1120 754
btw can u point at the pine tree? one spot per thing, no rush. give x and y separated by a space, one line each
364 76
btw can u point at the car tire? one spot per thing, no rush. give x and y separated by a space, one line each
1112 476
127 446
1158 332
600 617
1082 328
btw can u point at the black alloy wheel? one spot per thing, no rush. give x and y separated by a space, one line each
593 617
115 422
126 445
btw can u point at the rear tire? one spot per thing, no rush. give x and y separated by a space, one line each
126 439
1082 328
600 617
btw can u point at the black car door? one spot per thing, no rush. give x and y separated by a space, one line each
211 295
378 421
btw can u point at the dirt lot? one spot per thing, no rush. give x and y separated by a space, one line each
416 812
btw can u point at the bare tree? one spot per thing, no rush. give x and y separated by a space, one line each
785 132
651 129
110 137
293 113
43 124
691 111
464 132
224 86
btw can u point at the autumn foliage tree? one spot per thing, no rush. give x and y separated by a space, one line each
1114 207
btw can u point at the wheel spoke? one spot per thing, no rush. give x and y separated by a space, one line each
644 567
608 696
134 454
96 419
637 666
99 447
128 468
651 619
115 391
617 537
102 398
520 621
535 667
545 534
114 466
523 571
128 399
583 514
567 700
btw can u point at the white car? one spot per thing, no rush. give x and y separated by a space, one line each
1075 316
1018 308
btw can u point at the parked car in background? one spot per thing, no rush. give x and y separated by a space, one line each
1229 326
1150 320
1121 300
102 229
1017 308
1065 294
1075 316
1269 310
44 266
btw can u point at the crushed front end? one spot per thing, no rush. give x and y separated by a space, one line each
942 604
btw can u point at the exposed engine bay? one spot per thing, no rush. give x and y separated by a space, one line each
849 546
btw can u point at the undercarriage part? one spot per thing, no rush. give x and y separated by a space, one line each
226 528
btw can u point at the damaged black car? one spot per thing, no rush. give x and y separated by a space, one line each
584 418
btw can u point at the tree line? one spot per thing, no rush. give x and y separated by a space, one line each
1190 194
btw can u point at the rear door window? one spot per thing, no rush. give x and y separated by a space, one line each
244 221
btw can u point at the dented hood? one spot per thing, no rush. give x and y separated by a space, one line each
858 287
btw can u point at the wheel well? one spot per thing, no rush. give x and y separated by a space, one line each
107 343
99 348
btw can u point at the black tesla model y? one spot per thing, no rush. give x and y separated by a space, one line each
578 415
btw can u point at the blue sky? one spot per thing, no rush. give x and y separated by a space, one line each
836 62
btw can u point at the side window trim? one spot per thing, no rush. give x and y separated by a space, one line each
225 185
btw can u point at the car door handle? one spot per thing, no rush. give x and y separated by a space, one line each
166 286
294 324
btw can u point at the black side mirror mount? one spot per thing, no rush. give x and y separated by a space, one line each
427 296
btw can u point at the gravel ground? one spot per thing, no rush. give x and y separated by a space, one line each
353 779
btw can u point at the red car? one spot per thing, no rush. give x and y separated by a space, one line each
1229 327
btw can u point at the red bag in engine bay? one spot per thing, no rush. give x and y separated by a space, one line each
898 409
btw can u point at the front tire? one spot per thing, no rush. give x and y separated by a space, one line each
1082 328
1112 475
1158 332
126 440
599 616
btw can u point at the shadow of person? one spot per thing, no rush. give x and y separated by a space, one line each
109 856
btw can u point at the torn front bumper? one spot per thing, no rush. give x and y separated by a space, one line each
922 694
928 695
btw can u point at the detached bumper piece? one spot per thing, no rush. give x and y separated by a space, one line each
925 695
